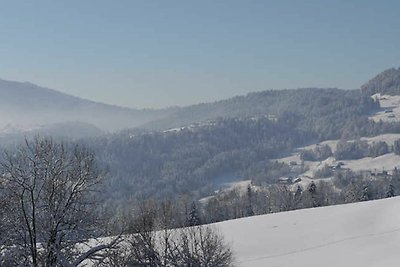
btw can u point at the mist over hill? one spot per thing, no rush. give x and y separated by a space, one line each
26 105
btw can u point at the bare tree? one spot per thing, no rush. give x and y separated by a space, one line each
154 244
51 187
202 246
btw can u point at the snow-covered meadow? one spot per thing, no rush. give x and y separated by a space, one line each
359 234
390 108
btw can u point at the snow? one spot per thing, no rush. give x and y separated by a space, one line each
385 162
190 127
359 234
240 186
387 103
174 130
365 234
388 138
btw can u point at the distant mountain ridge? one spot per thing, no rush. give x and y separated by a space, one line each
23 103
274 103
29 104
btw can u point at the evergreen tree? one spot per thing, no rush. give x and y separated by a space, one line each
249 207
297 196
396 147
193 216
391 190
365 194
312 190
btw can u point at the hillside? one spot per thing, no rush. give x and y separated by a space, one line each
194 158
268 103
28 105
273 103
360 234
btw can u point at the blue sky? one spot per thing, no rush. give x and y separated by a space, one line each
162 53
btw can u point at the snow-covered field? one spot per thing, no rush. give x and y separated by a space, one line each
240 186
364 234
388 138
385 162
360 234
390 106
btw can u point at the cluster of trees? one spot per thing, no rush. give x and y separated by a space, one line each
324 172
165 165
353 149
47 198
396 147
319 153
154 241
359 149
173 163
324 111
271 199
265 173
50 216
346 187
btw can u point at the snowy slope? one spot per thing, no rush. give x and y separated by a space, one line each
360 234
385 162
387 103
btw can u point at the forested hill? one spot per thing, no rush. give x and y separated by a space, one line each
194 158
298 105
387 82
273 103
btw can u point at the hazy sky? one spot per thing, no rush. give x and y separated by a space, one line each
161 53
